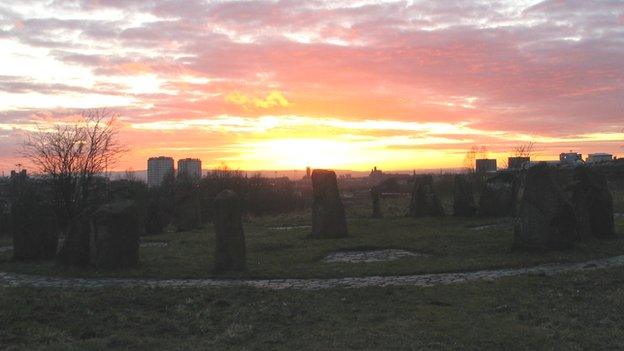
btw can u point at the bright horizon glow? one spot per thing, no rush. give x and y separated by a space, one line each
340 84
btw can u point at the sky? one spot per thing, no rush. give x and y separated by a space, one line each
338 84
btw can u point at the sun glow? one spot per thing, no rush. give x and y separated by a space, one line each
299 153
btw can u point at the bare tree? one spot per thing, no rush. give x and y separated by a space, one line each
475 152
524 150
72 155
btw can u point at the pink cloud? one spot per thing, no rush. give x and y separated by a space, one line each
554 68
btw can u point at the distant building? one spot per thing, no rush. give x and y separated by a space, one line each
485 165
157 169
517 162
308 173
375 173
570 158
191 167
599 157
21 173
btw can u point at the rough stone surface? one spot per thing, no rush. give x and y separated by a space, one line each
115 236
362 256
463 198
593 204
75 249
498 196
230 238
328 214
33 221
545 218
375 195
424 200
419 280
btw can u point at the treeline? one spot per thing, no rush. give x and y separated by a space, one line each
184 203
187 203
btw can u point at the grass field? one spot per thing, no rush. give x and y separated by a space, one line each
574 311
577 311
450 243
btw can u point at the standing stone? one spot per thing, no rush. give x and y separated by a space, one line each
593 204
545 216
498 196
424 201
463 198
230 238
375 194
33 221
115 235
328 214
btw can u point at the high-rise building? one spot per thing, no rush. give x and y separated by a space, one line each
191 167
485 165
599 157
517 162
157 169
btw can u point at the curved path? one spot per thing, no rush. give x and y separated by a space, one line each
17 280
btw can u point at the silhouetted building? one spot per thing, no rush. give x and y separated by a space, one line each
375 173
21 173
308 173
485 165
599 157
157 169
517 162
570 158
191 167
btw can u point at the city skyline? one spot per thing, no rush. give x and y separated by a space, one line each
281 85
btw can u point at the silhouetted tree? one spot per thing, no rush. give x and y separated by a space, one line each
475 152
72 155
524 150
187 208
160 206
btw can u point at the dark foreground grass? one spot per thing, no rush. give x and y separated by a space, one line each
272 253
576 311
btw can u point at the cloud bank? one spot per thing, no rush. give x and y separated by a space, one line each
504 71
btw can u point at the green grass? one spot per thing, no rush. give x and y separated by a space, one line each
573 311
451 247
576 311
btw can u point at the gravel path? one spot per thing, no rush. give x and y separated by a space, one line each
364 256
422 280
142 244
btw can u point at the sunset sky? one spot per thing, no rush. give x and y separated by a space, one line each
342 84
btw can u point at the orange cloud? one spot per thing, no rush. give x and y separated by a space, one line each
274 98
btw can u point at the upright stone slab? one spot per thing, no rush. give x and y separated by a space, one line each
115 235
463 198
328 214
545 216
424 200
34 226
593 204
230 238
498 196
375 194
